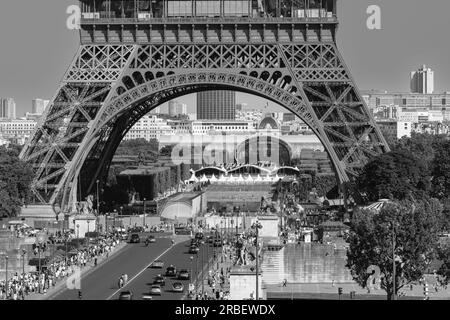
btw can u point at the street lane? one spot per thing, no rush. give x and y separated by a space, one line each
102 282
179 257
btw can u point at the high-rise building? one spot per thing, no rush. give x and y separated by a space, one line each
7 108
38 106
422 80
216 105
177 108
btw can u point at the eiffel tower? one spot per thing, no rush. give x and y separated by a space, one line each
135 55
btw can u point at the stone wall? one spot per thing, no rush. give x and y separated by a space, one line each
306 263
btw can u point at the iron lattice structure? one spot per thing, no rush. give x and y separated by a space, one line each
124 69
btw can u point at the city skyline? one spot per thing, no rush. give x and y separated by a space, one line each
377 61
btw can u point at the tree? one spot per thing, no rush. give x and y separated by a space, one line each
395 175
415 227
441 171
444 270
15 181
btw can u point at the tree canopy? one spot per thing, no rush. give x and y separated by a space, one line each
15 181
412 227
395 175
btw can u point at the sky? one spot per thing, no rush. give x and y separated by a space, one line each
36 47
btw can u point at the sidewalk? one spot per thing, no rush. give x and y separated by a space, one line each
327 289
223 262
61 285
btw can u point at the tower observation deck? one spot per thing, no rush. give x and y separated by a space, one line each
181 21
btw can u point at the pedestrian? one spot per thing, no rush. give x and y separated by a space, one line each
80 296
95 261
285 283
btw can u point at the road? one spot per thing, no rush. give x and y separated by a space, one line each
180 258
134 260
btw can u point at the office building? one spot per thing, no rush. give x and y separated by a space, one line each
7 108
393 130
38 106
216 105
177 108
422 80
148 128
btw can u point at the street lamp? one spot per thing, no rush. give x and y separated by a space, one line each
192 259
78 235
7 290
256 226
394 293
144 212
88 222
98 208
24 252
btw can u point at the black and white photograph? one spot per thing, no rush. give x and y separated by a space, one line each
221 157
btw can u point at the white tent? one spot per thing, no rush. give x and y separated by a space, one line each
250 179
222 178
213 178
240 178
204 178
258 178
193 178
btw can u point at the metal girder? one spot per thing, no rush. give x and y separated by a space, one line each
106 83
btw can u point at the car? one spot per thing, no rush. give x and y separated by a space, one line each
171 271
177 287
199 236
135 238
147 296
158 264
155 290
126 295
151 239
138 229
160 280
183 275
194 249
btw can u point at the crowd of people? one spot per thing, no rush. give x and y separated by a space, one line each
21 285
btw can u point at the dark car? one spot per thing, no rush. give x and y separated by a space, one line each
217 242
138 229
183 275
160 280
194 249
199 236
126 295
171 271
135 238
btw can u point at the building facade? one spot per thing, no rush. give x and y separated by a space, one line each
393 130
177 108
17 130
422 80
7 108
148 128
216 105
38 106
